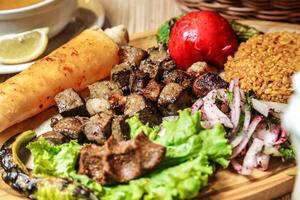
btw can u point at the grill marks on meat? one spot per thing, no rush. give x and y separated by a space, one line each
69 103
54 137
71 128
152 90
98 128
138 80
120 74
178 76
137 104
207 82
172 98
120 162
154 69
132 55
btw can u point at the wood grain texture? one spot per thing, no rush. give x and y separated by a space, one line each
226 185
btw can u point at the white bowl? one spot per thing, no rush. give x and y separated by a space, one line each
54 14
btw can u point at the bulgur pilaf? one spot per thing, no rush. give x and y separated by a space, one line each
265 64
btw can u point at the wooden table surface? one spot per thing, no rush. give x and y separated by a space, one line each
139 16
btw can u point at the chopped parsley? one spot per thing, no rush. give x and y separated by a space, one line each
287 153
229 97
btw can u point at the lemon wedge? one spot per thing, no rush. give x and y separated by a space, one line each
23 47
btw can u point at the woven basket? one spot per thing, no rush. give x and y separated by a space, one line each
274 10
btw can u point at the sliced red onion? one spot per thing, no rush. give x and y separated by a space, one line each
236 106
271 136
237 166
233 83
243 98
214 115
260 107
237 140
283 137
256 120
250 159
263 161
247 119
197 105
206 124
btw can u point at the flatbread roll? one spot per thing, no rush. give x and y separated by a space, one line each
85 59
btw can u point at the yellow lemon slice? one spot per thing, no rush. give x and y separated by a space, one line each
23 47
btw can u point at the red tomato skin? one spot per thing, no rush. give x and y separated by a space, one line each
201 36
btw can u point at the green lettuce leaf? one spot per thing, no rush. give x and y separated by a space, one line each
54 160
136 127
179 182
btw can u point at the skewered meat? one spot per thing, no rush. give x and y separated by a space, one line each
54 137
132 55
138 80
98 128
120 129
208 82
152 90
137 104
199 68
69 104
97 105
172 98
103 89
70 127
178 76
120 74
120 162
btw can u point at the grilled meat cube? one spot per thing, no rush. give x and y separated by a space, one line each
97 105
120 74
132 55
178 76
158 54
103 89
207 82
138 80
168 65
152 90
120 129
137 104
71 127
54 137
120 161
172 98
117 103
98 128
69 104
154 70
199 68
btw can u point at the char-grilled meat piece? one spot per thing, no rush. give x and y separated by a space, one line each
97 105
71 127
120 129
138 80
172 98
54 137
98 128
207 82
154 69
117 103
132 55
120 161
199 68
120 74
178 76
137 104
152 90
103 89
69 104
168 65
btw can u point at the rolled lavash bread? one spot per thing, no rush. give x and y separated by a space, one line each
85 59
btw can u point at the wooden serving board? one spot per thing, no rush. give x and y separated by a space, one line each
226 185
